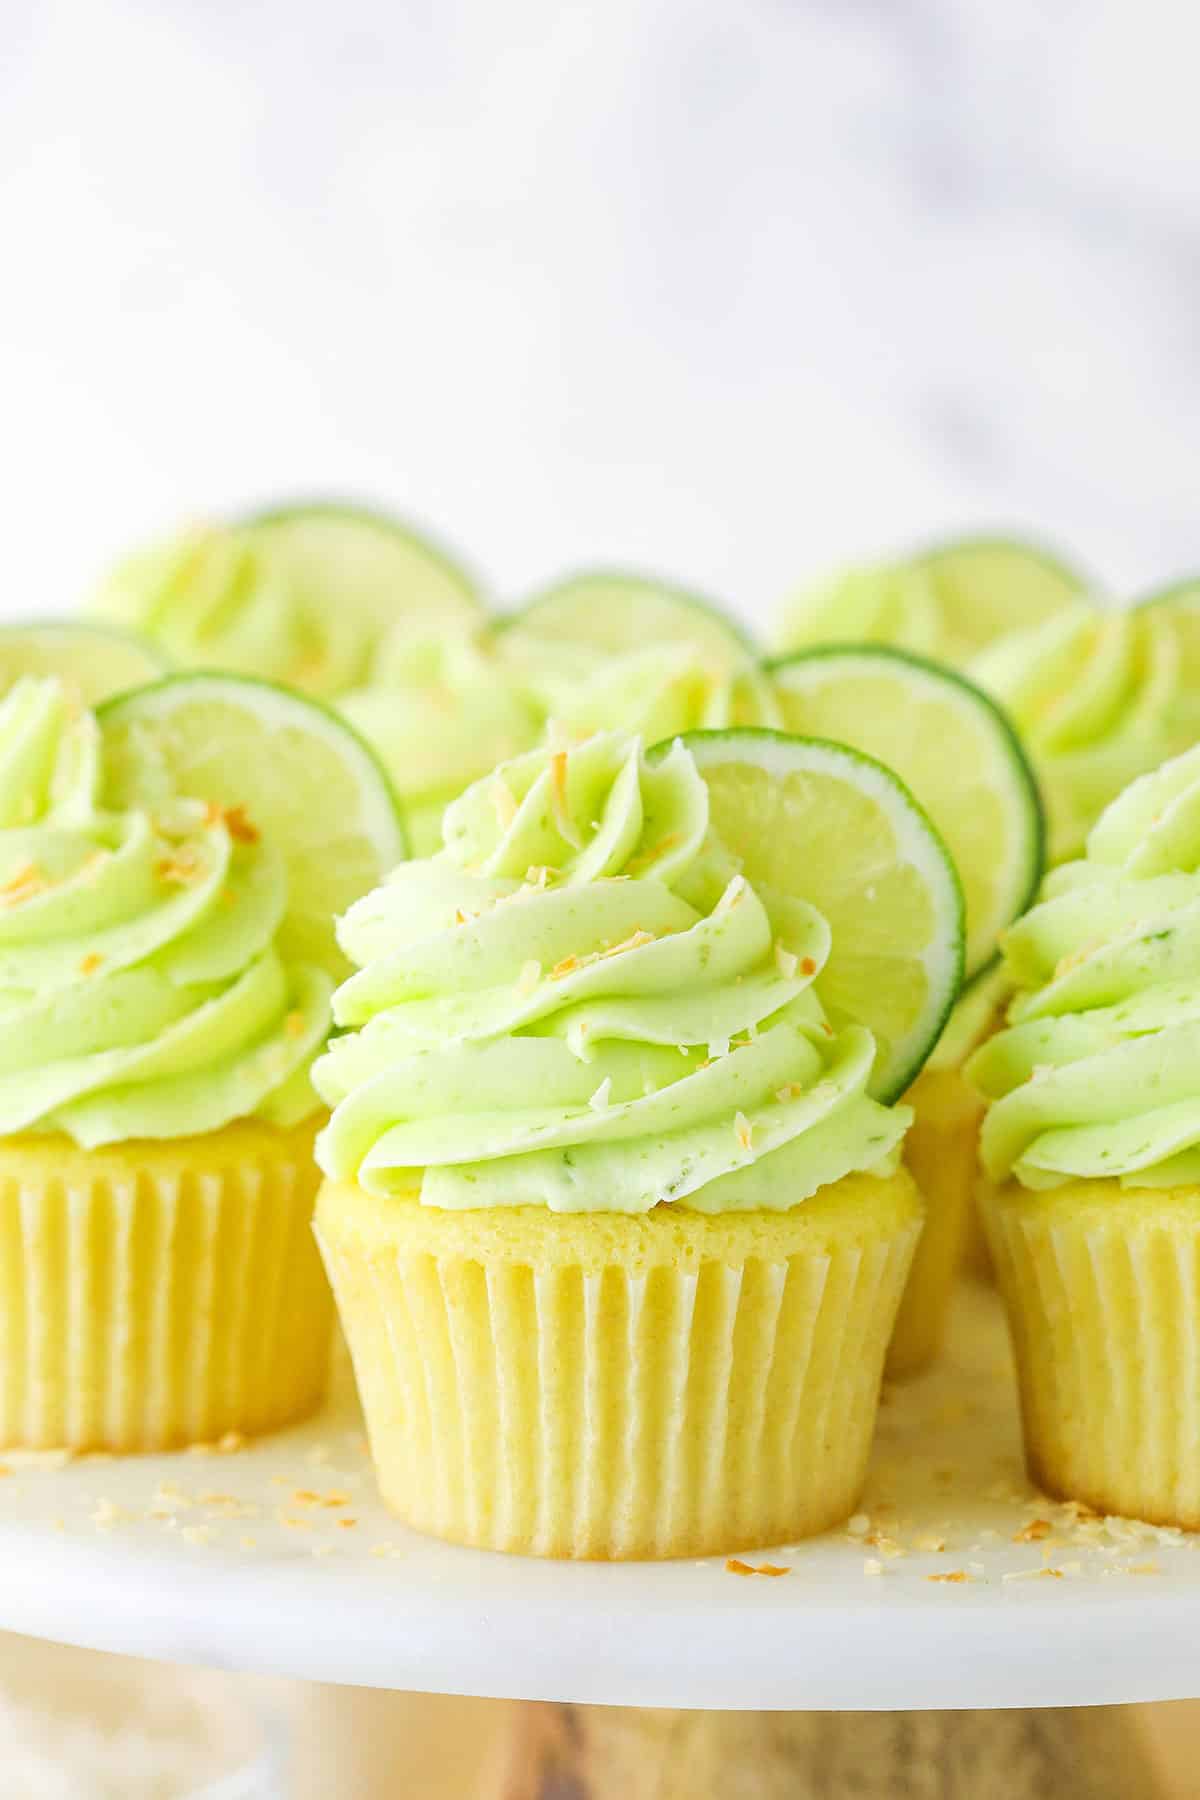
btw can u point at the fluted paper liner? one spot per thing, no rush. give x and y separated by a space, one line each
942 1154
604 1386
1102 1289
158 1294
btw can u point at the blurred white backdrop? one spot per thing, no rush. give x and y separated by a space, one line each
734 290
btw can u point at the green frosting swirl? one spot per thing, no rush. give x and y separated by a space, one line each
657 691
580 1003
441 713
1095 1074
889 603
142 992
222 597
1094 696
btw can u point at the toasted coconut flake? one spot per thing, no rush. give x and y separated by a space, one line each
953 1575
504 801
732 896
735 1566
1034 1532
558 794
745 1131
634 941
28 880
807 966
561 969
645 858
184 868
239 827
531 974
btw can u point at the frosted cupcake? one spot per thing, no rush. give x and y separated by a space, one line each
950 601
616 1231
158 1022
443 712
959 755
1092 1144
302 594
1093 695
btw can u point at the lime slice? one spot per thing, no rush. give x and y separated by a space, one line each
819 822
295 769
377 568
953 747
949 602
609 610
96 661
986 587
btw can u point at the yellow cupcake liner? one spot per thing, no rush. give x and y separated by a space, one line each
1102 1289
942 1153
158 1294
601 1386
976 1255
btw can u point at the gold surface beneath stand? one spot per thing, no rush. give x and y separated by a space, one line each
361 1745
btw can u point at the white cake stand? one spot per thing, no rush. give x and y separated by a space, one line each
957 1587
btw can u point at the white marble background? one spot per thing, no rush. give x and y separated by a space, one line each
734 289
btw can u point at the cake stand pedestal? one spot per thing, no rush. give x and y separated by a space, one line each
957 1587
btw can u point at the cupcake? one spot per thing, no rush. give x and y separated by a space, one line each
1091 1148
441 713
948 602
957 752
444 712
301 595
616 1230
1093 696
942 1153
158 1280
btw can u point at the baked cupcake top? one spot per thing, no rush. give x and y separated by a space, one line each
1093 695
142 989
580 1003
1095 1075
